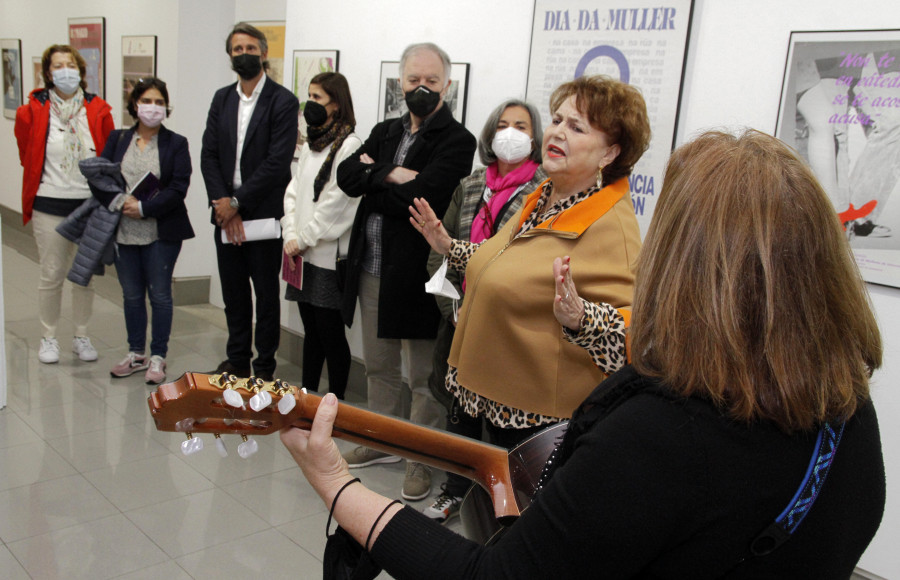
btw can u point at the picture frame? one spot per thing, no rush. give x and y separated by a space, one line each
644 47
38 72
391 100
305 65
88 35
11 58
308 63
138 62
275 33
840 109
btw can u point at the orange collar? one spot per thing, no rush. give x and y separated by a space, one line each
579 217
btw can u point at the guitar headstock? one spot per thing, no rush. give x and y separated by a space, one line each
223 403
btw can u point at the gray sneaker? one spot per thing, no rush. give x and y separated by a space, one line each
445 507
364 457
417 484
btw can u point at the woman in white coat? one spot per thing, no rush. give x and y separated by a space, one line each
316 225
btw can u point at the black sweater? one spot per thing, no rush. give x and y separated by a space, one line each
668 488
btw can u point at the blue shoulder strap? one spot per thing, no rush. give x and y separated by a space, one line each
787 521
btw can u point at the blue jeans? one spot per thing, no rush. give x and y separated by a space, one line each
147 271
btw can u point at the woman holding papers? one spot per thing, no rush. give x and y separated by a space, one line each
156 166
316 226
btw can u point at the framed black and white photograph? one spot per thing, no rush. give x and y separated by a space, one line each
644 47
138 62
88 35
840 109
11 55
391 101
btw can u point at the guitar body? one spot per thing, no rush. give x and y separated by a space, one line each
526 461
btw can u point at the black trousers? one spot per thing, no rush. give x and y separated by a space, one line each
258 263
324 340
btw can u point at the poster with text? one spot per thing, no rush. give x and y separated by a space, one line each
643 45
88 35
138 62
840 109
274 32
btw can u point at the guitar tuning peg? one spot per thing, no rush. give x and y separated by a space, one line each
192 445
248 447
287 403
233 398
220 446
260 400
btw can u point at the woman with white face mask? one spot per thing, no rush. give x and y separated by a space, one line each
59 126
153 225
482 203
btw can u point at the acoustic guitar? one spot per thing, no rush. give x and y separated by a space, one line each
224 404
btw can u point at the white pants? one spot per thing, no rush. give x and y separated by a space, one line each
56 254
383 365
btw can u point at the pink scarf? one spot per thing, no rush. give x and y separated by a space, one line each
483 226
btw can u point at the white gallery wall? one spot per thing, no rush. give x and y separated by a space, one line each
733 78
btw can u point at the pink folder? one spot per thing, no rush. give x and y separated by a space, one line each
295 277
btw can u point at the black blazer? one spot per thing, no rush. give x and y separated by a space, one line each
167 206
268 150
442 154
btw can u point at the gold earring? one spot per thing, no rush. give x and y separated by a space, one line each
600 177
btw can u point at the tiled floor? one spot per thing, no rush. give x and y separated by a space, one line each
90 489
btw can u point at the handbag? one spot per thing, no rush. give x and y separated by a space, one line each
345 559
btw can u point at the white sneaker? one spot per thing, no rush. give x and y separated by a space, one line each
156 373
49 351
81 345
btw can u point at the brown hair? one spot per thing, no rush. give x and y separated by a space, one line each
253 32
141 87
79 62
746 290
617 109
335 85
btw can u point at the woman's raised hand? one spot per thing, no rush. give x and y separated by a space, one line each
567 306
423 218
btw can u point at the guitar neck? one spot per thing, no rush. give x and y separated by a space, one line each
191 405
483 463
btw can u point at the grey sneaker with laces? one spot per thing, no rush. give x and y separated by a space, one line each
417 483
445 507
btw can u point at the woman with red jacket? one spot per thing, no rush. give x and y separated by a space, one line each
61 125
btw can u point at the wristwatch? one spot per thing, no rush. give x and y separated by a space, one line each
234 202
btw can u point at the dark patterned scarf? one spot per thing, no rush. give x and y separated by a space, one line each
319 139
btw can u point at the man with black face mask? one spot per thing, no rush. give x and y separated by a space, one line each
248 145
423 154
